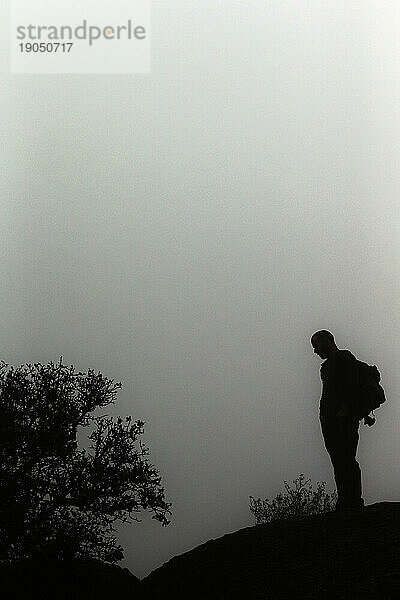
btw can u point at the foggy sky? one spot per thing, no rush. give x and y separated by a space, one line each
185 232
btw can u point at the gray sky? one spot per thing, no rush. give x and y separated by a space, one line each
185 232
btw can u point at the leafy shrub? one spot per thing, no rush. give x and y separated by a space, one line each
56 499
298 500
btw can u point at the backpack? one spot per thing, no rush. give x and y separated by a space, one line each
370 392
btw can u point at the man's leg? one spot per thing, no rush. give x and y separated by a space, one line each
341 439
350 471
331 437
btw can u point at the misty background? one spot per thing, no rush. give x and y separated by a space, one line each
185 232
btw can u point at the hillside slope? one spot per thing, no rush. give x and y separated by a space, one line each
337 556
78 580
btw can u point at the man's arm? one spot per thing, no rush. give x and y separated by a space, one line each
348 383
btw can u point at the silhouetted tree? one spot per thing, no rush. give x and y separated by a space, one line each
56 499
298 500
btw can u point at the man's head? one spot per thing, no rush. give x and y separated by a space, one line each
323 343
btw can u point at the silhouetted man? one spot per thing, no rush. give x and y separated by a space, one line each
339 423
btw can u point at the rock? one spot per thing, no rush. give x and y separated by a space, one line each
353 555
75 580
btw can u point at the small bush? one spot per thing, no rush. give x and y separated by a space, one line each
298 500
